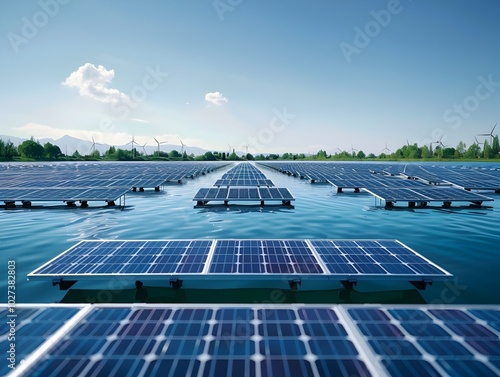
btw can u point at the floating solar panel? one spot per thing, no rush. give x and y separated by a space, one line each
244 182
61 194
88 181
344 260
128 258
377 257
427 194
263 257
242 194
282 340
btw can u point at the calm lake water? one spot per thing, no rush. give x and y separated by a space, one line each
465 241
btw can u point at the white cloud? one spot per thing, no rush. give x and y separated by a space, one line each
92 82
139 120
216 98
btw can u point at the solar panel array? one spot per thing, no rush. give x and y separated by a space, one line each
232 259
243 183
242 194
279 340
399 182
90 181
427 194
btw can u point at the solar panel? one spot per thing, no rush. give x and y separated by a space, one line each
243 194
89 181
33 325
130 258
244 182
61 194
233 259
379 257
261 257
451 341
278 340
427 194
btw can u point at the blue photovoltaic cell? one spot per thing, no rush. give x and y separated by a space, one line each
380 257
32 327
129 258
452 337
257 340
266 256
209 342
426 194
243 194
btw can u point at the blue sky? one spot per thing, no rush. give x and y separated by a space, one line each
295 76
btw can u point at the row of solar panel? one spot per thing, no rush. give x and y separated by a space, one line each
468 178
60 194
427 194
262 258
255 340
104 181
243 182
99 175
243 194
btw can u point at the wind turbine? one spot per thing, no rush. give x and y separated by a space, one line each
144 148
93 147
246 147
338 149
352 150
132 142
182 146
230 146
386 149
490 134
440 142
159 143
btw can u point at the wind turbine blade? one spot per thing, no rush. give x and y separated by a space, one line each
156 140
493 129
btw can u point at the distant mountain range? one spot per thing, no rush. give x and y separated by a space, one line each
69 144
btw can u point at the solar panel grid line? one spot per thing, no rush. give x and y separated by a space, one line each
424 258
120 266
68 251
463 341
371 359
50 343
427 357
346 263
433 337
392 350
